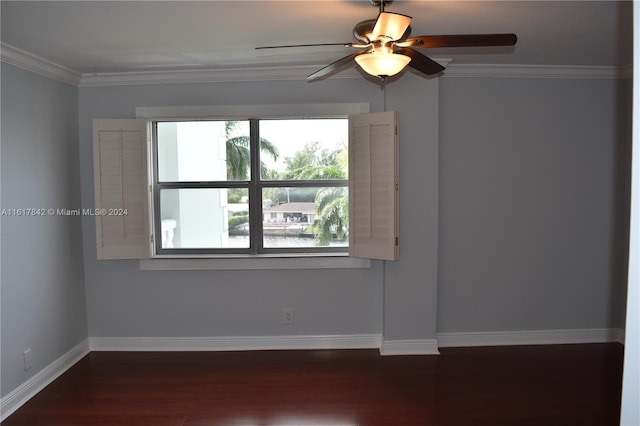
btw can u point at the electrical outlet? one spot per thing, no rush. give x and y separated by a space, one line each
26 357
287 316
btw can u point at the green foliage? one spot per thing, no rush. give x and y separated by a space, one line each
238 159
235 221
234 195
332 205
238 156
313 163
309 163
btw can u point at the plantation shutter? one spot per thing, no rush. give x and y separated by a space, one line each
373 186
120 183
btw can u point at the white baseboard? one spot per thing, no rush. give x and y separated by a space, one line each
357 341
237 343
535 337
253 343
16 398
409 347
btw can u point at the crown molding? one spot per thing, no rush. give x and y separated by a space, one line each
223 75
539 71
206 76
28 61
38 65
301 72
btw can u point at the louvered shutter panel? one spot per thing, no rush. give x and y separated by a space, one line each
120 183
373 186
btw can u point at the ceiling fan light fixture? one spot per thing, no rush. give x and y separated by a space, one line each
387 47
391 26
381 64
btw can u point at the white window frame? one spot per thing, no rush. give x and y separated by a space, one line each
251 184
252 261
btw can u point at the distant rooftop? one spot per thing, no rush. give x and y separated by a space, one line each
307 208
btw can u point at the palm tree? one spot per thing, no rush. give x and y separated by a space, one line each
238 157
332 203
332 206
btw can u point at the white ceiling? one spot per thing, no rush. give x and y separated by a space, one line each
130 36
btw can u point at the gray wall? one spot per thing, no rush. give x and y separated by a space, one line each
43 300
123 301
533 203
515 221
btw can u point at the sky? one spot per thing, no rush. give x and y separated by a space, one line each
292 135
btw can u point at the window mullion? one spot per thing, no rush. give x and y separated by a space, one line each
255 189
304 183
196 185
155 191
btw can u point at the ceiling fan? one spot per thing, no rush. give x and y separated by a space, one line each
385 47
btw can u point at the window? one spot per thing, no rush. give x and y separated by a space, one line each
251 186
203 182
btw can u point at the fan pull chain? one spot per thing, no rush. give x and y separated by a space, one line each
383 86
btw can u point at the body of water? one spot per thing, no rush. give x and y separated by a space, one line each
272 241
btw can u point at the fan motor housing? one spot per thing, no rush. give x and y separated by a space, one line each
363 28
379 3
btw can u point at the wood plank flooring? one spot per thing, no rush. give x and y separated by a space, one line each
516 386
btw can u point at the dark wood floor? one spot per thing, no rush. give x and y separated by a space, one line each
517 386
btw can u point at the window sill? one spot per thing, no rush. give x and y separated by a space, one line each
302 261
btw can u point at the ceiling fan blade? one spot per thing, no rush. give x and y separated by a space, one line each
391 26
410 42
308 45
335 66
420 62
460 40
